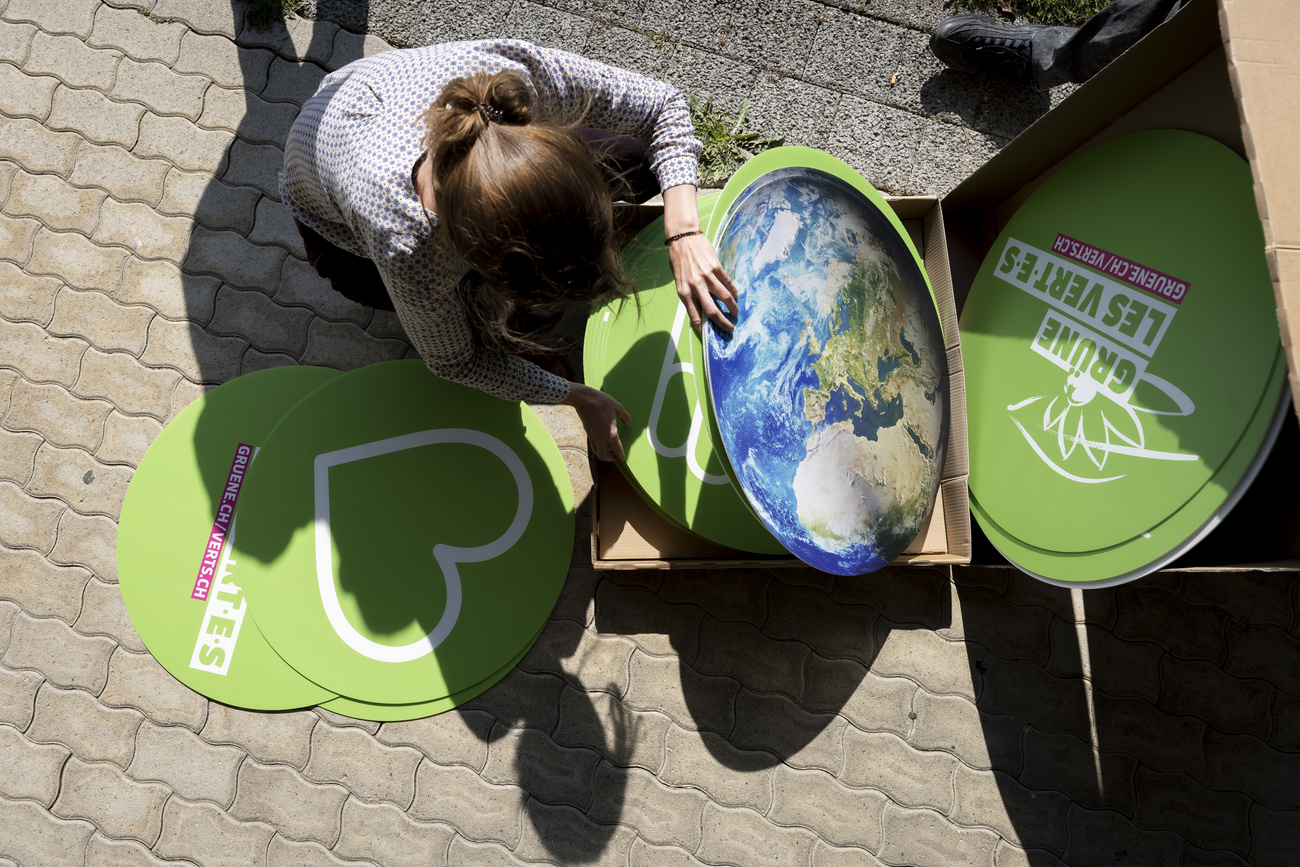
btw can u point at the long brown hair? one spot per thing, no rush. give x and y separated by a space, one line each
522 202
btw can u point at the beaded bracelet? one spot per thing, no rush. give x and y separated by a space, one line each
668 241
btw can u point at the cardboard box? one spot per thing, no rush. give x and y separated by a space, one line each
1227 69
628 534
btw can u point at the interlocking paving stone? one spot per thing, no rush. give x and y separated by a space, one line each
31 835
909 776
64 656
93 731
1025 635
464 853
29 770
341 721
296 808
216 18
600 722
476 808
659 814
17 688
107 325
550 772
840 630
297 38
384 834
291 81
980 740
1164 742
186 393
1211 820
208 201
117 805
1097 836
82 482
1228 703
743 652
1014 686
75 259
193 768
136 680
206 835
995 800
254 119
1007 855
162 286
815 800
588 660
87 540
28 522
833 856
56 203
1125 668
72 61
17 453
778 725
740 836
371 770
255 165
1070 765
253 316
182 142
15 41
345 346
642 854
34 584
126 438
64 16
1255 651
95 116
38 150
156 86
147 233
924 657
1246 764
1274 836
283 738
1186 631
923 838
448 739
1254 597
221 60
864 698
121 173
691 699
193 351
659 628
104 613
25 95
139 37
16 235
739 595
562 834
231 257
122 853
275 226
1286 723
728 775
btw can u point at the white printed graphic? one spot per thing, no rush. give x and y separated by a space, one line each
446 556
222 618
1102 335
666 373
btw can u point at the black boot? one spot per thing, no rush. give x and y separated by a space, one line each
975 43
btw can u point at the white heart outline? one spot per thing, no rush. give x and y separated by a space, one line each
447 556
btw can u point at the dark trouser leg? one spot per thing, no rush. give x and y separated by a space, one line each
1064 54
352 276
625 164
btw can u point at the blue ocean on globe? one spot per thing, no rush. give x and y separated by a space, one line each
830 395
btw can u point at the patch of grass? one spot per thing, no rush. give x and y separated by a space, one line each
1070 13
726 147
263 14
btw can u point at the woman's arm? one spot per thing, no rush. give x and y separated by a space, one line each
699 275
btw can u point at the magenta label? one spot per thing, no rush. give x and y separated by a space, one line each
1125 270
221 525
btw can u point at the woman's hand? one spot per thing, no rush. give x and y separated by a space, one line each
699 275
600 415
700 280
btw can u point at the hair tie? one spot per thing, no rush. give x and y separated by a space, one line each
489 113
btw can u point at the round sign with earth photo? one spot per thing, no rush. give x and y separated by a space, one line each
830 396
404 537
1123 365
182 586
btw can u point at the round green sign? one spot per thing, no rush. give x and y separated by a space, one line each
182 586
1123 366
404 536
638 351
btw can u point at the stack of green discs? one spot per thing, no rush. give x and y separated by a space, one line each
382 543
638 351
1124 374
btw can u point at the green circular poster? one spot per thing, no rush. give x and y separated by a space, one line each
1123 365
182 586
638 351
405 537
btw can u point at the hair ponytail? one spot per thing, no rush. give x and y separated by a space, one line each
521 201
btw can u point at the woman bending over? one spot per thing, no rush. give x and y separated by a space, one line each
448 183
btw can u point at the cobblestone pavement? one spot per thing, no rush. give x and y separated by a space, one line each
915 717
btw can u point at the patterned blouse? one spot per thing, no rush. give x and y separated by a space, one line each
347 174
